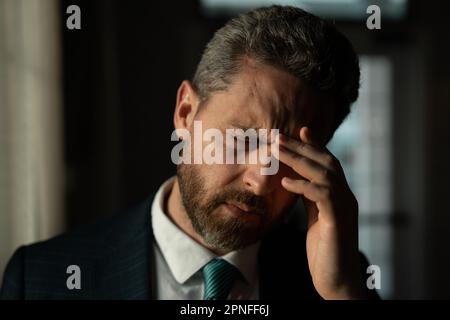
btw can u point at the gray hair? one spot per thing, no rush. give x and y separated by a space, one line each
289 38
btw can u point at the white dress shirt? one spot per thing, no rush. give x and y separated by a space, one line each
180 259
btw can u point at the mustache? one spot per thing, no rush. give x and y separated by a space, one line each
257 203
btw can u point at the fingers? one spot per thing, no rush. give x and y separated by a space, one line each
311 191
319 170
310 151
304 166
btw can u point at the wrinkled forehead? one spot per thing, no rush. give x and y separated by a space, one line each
264 97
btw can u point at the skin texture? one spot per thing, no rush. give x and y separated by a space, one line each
262 96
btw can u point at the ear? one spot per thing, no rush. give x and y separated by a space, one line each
186 106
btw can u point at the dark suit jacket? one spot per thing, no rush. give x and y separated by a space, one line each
116 262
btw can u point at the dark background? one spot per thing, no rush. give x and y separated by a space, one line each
121 73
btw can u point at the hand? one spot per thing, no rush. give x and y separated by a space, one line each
332 213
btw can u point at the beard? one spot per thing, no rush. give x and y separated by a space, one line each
220 231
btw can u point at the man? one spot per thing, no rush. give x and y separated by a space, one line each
226 231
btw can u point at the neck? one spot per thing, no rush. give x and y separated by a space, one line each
177 213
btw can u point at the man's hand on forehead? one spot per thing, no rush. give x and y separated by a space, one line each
332 213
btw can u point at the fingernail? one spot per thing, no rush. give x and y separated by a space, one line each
286 180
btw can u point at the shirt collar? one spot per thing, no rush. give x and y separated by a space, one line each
184 255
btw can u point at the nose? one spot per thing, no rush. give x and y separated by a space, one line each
256 182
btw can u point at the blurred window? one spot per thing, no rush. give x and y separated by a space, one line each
363 146
340 9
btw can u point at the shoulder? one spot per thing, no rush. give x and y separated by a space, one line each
37 264
100 236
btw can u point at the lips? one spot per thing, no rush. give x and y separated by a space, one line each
242 206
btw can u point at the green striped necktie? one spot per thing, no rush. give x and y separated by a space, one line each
219 276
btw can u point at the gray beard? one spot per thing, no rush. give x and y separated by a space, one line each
221 233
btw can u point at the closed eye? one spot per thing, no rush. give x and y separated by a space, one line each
246 141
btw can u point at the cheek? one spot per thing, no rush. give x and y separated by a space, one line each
217 176
282 199
286 171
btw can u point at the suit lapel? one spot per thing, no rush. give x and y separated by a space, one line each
124 271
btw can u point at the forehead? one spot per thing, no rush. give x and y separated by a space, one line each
263 96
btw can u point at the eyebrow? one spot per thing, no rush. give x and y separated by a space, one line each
284 130
243 127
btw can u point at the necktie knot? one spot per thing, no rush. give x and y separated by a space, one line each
219 276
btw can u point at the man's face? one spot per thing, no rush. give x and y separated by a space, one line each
234 205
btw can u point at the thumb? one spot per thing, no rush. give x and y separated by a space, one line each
311 211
